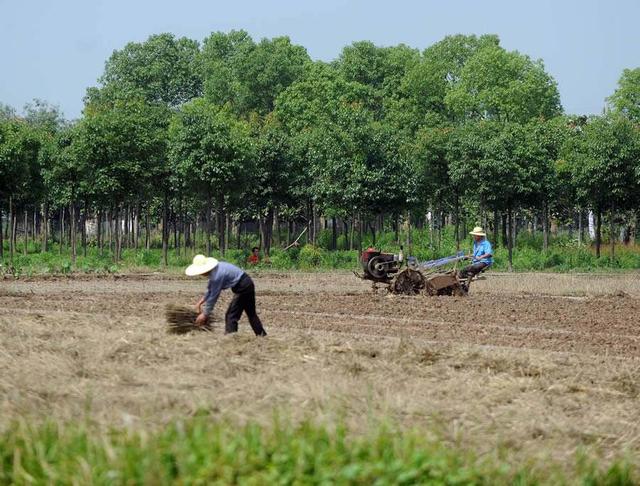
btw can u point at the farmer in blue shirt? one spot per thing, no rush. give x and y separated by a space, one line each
223 275
482 255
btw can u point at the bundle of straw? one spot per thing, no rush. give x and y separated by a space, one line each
181 320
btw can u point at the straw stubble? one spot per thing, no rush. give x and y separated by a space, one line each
182 320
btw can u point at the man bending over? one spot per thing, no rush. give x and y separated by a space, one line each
223 275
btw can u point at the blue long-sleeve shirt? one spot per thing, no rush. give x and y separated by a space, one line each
482 248
224 276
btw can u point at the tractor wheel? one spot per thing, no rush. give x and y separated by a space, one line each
408 282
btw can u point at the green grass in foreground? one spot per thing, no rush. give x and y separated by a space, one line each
199 451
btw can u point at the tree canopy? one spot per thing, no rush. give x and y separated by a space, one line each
178 131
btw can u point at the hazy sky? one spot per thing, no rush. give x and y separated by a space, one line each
54 50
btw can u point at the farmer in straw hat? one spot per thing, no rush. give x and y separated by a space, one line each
223 275
482 255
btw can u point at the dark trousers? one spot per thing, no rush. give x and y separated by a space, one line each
244 299
472 270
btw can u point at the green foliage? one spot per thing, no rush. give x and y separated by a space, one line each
507 86
310 257
20 175
201 451
603 160
429 152
626 98
380 69
283 260
147 258
564 255
210 149
162 69
426 84
323 239
43 116
122 143
249 76
238 131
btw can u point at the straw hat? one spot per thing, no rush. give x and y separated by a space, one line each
478 231
201 264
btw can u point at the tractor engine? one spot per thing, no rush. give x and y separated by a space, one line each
378 266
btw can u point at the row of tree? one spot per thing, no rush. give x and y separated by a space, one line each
186 138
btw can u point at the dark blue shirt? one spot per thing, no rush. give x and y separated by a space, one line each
224 276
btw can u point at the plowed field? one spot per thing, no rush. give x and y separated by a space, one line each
535 364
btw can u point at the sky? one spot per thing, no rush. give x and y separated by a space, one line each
55 50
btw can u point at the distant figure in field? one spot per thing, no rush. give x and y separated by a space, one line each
223 275
481 256
254 258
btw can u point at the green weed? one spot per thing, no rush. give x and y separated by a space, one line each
201 451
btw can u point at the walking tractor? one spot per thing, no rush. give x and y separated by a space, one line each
412 277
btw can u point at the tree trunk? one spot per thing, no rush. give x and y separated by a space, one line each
409 241
545 227
228 234
7 228
25 232
186 228
176 237
10 227
612 236
496 227
395 222
439 234
208 224
431 227
221 225
513 227
165 229
125 227
195 235
504 229
276 228
147 229
117 234
266 233
457 222
34 227
345 232
314 224
239 234
1 238
14 231
372 226
61 229
110 229
510 238
351 234
484 219
598 231
44 228
136 226
309 216
334 233
99 230
84 228
580 230
72 221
